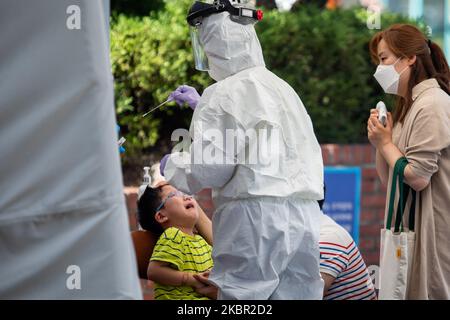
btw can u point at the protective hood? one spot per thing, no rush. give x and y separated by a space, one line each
229 46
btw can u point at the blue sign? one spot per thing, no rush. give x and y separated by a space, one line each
342 199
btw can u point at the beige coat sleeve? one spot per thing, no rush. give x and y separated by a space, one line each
430 134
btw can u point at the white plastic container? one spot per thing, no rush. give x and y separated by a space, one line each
146 181
382 113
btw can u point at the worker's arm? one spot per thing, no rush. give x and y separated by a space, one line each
209 289
209 162
328 279
204 225
161 272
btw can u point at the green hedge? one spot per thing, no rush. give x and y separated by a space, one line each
322 54
150 57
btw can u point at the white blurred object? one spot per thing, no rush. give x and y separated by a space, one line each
155 174
121 141
382 113
146 181
285 5
63 221
372 3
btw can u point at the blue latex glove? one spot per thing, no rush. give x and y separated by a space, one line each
185 94
163 163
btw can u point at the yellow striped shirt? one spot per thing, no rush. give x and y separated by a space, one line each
184 253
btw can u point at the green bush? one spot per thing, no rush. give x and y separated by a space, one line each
150 57
322 54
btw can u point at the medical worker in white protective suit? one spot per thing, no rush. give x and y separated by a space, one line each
266 224
64 232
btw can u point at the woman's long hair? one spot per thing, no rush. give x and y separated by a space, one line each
406 41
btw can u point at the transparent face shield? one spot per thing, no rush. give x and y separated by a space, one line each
240 11
201 60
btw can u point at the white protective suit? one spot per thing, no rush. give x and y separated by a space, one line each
64 232
266 225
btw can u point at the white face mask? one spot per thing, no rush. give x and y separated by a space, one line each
388 77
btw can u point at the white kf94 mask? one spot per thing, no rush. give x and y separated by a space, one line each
388 77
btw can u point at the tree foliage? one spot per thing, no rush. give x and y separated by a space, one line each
150 57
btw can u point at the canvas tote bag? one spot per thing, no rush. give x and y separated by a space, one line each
397 246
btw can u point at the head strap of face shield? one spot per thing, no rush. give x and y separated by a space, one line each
200 10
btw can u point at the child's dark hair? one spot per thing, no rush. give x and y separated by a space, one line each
147 205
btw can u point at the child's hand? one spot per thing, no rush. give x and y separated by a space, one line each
191 281
203 275
208 289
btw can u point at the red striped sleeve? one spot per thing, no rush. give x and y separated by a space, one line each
352 280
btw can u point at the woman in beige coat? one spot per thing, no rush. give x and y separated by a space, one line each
414 68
